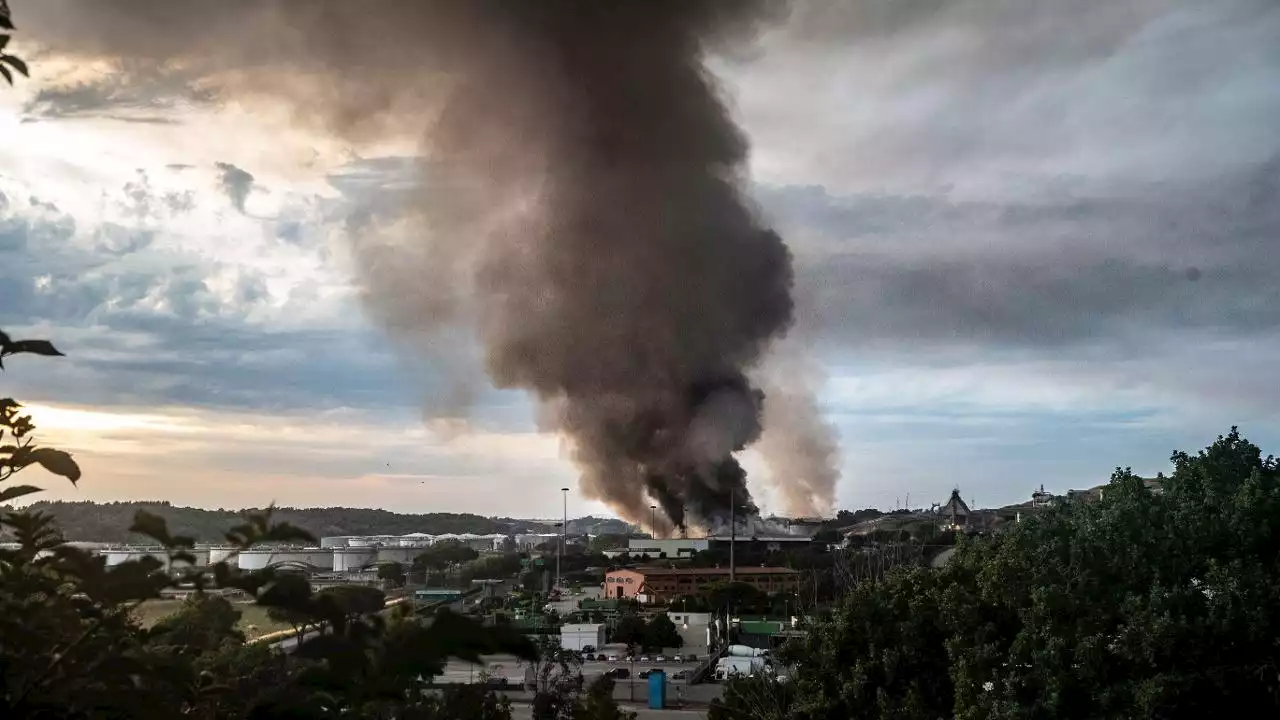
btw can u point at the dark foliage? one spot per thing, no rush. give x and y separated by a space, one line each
1144 604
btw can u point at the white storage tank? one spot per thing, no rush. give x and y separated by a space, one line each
403 555
306 558
119 555
219 554
353 558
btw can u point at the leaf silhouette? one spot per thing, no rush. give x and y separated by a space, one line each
17 64
58 462
152 526
17 491
35 347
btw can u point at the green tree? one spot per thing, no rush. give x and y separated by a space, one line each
630 630
606 541
597 703
393 573
660 633
758 697
203 624
1161 600
735 597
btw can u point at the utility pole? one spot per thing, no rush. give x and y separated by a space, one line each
653 522
564 532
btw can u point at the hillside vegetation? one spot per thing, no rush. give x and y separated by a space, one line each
109 522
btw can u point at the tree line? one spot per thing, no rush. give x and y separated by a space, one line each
109 521
1146 603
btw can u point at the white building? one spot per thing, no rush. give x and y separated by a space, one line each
577 637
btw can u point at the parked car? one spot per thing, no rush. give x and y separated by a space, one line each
620 673
680 675
613 658
644 674
601 657
588 648
644 658
660 658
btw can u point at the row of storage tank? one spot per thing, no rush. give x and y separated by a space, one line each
341 553
476 542
334 559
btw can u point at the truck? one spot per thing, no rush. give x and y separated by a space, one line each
741 665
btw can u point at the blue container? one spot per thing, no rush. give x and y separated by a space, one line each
657 690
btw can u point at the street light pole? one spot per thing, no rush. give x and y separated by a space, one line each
564 532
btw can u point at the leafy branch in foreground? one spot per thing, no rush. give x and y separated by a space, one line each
8 61
17 447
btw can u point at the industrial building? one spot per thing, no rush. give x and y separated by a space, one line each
674 548
580 636
666 584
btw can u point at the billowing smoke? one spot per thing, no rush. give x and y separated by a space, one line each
800 447
581 209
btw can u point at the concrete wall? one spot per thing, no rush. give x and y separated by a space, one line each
692 619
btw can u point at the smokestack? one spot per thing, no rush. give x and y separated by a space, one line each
581 210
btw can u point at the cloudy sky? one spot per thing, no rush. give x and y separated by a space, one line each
1034 241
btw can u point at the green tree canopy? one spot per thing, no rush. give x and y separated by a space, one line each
660 633
392 572
1153 602
630 630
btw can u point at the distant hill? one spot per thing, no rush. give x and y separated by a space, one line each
599 526
109 522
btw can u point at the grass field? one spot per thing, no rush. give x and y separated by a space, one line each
253 618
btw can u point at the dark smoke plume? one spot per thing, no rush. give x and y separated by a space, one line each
582 207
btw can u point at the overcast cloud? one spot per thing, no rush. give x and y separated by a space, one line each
1034 241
